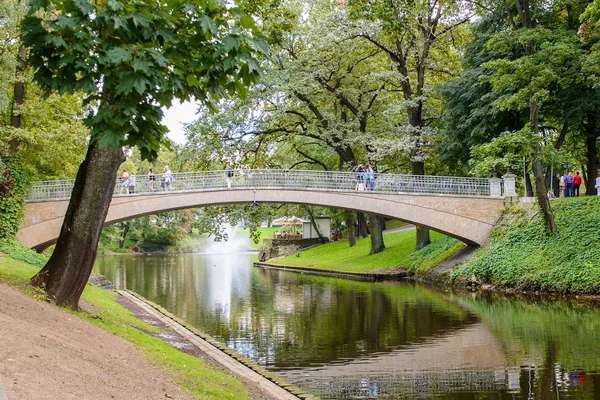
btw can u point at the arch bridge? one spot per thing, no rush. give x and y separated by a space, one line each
464 208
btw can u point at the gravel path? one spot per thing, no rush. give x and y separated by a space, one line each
47 353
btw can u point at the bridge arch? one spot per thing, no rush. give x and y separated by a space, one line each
467 218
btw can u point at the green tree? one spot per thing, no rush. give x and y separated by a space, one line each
419 39
320 105
129 58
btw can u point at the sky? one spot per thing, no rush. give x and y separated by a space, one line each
176 116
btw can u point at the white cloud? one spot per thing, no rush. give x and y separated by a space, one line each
176 116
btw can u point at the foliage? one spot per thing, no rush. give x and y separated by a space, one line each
131 58
17 251
13 185
522 255
428 257
11 12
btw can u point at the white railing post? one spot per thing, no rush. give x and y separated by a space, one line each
496 187
510 193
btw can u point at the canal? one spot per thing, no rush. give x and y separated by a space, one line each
342 339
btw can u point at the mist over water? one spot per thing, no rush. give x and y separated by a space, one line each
237 241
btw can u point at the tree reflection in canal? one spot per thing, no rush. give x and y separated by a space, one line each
346 339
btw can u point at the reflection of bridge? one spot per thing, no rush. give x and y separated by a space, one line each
462 360
465 208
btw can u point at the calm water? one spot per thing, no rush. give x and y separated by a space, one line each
341 339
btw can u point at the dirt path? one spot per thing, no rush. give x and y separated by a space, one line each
46 353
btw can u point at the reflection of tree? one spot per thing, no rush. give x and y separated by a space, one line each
313 320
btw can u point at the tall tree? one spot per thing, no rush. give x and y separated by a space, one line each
413 34
129 58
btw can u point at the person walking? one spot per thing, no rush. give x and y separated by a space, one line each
151 180
556 183
569 184
229 175
370 177
360 177
166 178
576 184
131 183
124 181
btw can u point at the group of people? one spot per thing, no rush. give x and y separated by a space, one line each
365 177
128 180
566 185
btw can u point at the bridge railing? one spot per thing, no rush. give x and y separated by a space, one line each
288 179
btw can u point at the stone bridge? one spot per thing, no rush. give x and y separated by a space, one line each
464 208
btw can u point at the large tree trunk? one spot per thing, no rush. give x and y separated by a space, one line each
423 237
538 172
362 225
561 138
591 140
528 184
350 227
124 231
376 225
311 214
65 275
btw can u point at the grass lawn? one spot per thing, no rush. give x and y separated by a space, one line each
265 232
191 373
338 256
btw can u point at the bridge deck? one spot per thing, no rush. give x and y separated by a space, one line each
288 179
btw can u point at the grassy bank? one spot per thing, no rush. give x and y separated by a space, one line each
524 256
399 252
191 373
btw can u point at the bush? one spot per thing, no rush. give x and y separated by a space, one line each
16 250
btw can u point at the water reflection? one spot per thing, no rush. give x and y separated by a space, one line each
344 339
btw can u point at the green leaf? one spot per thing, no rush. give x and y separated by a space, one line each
208 25
126 83
55 40
261 45
193 81
140 85
247 22
119 55
115 5
84 6
231 42
140 19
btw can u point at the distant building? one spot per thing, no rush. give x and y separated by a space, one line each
324 224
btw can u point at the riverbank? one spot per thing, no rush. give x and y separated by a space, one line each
116 354
521 256
399 253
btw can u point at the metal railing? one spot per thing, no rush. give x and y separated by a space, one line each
286 179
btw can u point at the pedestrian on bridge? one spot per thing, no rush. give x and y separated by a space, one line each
370 177
131 184
124 181
151 180
166 178
360 177
229 175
